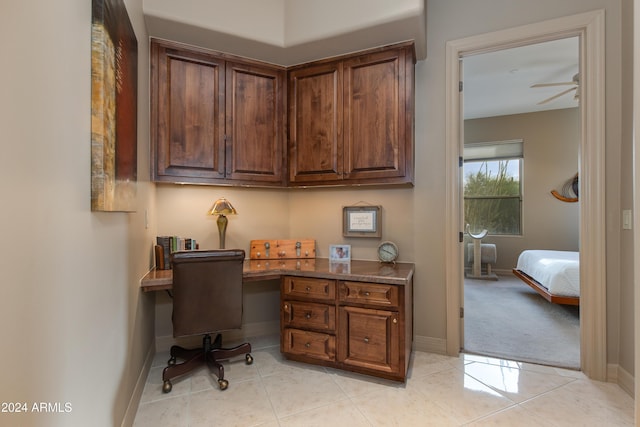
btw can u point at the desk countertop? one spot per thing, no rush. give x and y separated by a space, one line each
370 271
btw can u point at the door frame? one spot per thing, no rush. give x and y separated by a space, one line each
590 28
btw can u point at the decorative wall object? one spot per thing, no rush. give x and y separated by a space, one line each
569 191
361 221
114 103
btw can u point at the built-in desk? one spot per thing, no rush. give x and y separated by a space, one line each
355 316
371 271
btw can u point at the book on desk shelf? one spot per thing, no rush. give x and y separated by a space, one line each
165 245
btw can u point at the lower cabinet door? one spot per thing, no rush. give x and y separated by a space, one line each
369 339
310 344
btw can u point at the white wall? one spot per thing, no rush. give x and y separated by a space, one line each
75 327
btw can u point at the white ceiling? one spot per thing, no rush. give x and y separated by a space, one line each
499 83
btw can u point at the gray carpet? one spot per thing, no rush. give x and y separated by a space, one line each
508 319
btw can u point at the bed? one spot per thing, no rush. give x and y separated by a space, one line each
553 274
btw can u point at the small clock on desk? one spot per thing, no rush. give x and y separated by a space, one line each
387 252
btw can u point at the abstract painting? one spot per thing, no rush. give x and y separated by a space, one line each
114 103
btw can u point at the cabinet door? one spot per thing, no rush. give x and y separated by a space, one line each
255 133
369 339
187 115
376 130
315 124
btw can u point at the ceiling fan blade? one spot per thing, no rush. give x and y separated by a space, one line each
556 96
552 84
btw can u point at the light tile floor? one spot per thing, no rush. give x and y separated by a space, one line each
440 391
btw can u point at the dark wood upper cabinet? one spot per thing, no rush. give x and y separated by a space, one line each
255 125
188 115
315 124
214 119
351 119
220 119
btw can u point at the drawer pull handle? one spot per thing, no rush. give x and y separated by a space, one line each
366 340
366 294
308 315
286 306
307 345
308 289
395 320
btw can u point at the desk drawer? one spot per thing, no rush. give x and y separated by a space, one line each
369 293
309 315
311 344
304 287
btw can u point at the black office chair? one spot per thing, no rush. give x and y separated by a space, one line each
207 298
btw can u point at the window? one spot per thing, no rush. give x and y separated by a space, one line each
492 187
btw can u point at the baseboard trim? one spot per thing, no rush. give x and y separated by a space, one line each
618 375
429 344
248 330
136 396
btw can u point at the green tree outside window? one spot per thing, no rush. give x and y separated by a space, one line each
492 196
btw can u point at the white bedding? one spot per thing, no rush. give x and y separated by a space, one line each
558 271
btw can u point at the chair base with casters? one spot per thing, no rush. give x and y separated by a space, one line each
210 353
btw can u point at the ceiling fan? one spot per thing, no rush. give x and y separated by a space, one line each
575 82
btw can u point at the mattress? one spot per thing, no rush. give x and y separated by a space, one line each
557 271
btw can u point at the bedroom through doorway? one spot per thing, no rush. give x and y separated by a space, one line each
521 132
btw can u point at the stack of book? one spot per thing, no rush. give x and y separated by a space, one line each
165 245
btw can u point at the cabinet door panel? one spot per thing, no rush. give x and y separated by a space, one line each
369 339
375 116
369 293
300 314
309 288
255 123
315 123
310 344
190 116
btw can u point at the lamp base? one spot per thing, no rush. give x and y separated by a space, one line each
222 229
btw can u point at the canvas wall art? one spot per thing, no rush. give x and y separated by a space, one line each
114 100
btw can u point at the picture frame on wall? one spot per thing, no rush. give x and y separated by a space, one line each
362 221
114 106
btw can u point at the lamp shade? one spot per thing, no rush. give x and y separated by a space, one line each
222 207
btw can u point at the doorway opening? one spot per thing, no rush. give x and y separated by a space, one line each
589 28
521 131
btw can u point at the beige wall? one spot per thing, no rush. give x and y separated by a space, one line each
550 145
414 217
628 257
75 326
78 328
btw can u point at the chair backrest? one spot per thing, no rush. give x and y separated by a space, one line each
207 291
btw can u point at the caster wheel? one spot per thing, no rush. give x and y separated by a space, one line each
223 384
171 361
167 386
248 358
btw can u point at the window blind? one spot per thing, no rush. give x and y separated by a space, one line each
495 150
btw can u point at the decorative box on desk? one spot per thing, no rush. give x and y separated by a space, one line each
283 249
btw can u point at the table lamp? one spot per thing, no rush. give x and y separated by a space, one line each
222 208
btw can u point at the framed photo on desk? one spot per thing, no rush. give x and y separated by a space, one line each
339 253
